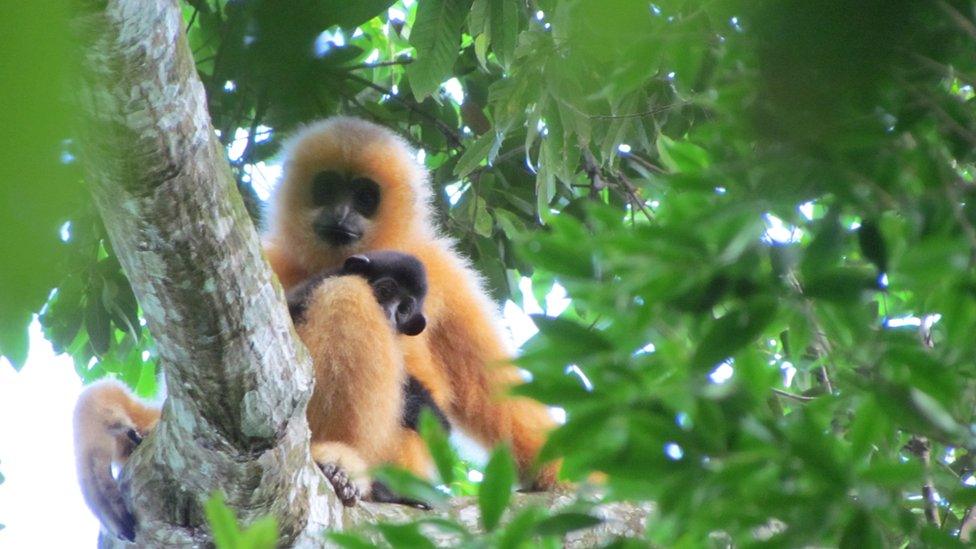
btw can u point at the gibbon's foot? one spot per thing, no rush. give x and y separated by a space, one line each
344 487
381 493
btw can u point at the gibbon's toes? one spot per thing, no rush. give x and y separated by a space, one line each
381 493
344 488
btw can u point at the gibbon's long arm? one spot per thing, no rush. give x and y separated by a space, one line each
108 424
467 344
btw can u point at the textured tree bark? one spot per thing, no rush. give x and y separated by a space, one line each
237 378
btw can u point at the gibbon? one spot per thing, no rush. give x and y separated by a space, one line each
349 187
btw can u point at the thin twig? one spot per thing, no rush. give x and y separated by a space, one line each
378 64
649 112
920 447
592 169
968 525
958 18
960 215
452 136
793 396
820 344
645 163
193 19
259 109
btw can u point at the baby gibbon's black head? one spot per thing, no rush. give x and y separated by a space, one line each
399 283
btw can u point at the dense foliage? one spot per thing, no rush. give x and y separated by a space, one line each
763 212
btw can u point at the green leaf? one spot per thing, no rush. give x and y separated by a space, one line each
478 22
934 412
564 523
682 156
350 541
504 28
862 533
404 535
840 284
261 534
735 329
14 341
496 488
483 222
572 338
439 446
436 35
223 523
484 147
406 484
519 529
98 326
352 14
39 190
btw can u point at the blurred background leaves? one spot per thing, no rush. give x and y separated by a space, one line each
758 218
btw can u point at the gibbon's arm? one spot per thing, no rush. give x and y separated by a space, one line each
356 409
469 347
108 424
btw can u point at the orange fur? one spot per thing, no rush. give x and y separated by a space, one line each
105 414
461 357
356 359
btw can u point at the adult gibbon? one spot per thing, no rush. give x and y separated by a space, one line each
349 187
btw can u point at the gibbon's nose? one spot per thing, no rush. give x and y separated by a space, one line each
335 229
342 214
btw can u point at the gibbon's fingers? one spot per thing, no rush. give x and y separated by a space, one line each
344 487
346 471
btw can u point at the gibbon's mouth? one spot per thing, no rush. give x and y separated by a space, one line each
337 235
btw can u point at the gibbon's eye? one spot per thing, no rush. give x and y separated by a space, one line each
385 290
325 187
366 196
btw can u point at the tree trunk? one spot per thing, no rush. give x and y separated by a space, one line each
237 377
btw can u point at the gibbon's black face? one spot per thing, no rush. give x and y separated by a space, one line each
347 203
399 283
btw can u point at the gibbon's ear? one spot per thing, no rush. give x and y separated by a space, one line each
356 264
